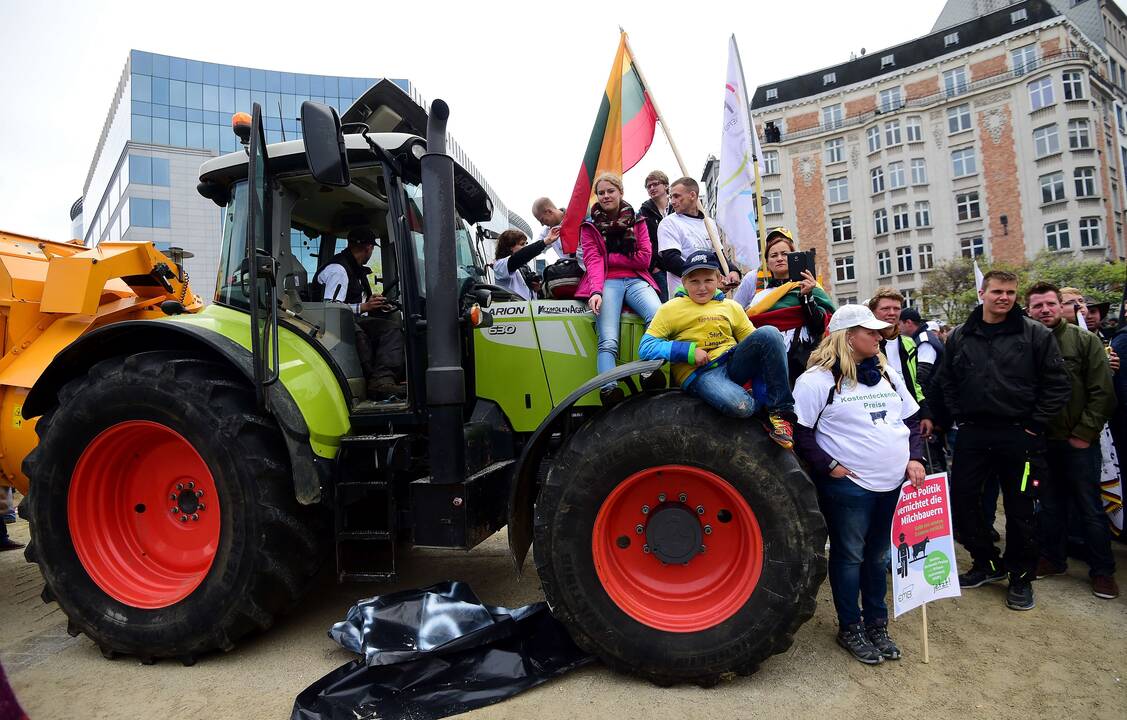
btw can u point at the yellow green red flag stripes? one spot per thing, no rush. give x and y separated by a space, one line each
623 132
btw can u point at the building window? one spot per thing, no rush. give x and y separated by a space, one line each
895 175
923 214
966 206
831 116
838 189
1018 16
900 217
950 39
919 171
1041 93
1073 86
972 247
846 300
829 78
892 133
909 296
1078 136
876 177
887 61
958 118
927 261
1085 179
148 171
772 202
1056 236
1046 141
913 129
903 259
1090 232
149 213
1024 59
890 100
873 134
772 93
884 263
1052 187
880 221
843 267
963 163
835 151
955 81
771 162
841 229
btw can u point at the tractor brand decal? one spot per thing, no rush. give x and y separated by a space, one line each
503 329
561 307
515 334
507 310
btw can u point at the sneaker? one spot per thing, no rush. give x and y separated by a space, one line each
779 430
1020 595
9 517
9 544
878 636
1104 586
1046 567
978 576
611 396
854 639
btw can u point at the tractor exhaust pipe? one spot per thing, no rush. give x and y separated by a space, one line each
445 379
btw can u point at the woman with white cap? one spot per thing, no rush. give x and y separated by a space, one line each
858 435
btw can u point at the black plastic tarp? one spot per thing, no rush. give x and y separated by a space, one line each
436 652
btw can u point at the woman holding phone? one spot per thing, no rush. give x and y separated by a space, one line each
799 308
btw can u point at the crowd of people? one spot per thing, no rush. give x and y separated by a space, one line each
1022 399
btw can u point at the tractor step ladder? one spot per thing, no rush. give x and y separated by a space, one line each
364 506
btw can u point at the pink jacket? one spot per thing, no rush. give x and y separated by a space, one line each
602 266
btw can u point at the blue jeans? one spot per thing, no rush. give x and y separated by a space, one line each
760 357
1071 504
859 522
640 296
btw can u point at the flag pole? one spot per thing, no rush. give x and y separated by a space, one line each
712 235
760 226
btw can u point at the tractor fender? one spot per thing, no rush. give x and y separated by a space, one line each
522 494
135 336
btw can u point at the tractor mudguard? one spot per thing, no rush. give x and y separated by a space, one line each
522 495
134 336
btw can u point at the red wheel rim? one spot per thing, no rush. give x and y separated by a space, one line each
677 597
143 514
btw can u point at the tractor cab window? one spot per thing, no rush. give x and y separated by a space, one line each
232 288
469 265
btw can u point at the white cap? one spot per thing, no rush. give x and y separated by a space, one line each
850 316
933 325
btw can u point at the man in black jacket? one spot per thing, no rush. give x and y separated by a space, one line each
1002 379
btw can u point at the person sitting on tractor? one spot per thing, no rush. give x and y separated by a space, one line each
716 351
379 340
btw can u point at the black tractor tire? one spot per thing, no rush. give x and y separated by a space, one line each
675 429
266 553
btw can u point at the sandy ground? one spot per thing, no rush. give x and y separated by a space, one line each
1066 658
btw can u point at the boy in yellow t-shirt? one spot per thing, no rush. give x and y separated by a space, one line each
715 350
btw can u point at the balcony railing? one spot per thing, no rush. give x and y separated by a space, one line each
1027 68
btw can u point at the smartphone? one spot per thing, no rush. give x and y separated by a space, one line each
799 261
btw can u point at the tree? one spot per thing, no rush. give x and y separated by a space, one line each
949 290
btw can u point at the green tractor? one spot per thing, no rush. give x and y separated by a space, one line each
193 472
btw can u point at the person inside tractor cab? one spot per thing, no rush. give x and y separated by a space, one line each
379 340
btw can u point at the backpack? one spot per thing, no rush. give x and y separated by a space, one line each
561 279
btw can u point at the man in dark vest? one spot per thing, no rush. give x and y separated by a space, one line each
379 341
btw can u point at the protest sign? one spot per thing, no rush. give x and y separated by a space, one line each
923 546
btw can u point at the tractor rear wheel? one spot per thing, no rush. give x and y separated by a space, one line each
162 510
677 544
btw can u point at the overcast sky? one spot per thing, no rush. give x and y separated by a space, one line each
523 79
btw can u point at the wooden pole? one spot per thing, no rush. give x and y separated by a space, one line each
712 234
923 631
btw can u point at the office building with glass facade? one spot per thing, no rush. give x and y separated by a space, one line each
168 116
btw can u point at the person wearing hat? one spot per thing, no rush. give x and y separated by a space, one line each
800 310
379 340
929 348
1097 314
858 433
716 352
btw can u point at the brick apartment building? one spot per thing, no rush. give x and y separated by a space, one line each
1001 134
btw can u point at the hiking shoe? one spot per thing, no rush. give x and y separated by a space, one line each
854 639
1046 567
611 396
9 544
654 380
779 430
1104 586
878 636
979 575
1020 595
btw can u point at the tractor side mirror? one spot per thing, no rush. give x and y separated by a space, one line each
324 144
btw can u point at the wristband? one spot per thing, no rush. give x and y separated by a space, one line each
833 465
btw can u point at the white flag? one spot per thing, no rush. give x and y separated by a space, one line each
977 280
739 144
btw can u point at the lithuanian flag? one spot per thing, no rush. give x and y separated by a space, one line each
623 132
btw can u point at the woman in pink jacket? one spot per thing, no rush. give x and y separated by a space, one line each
616 251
